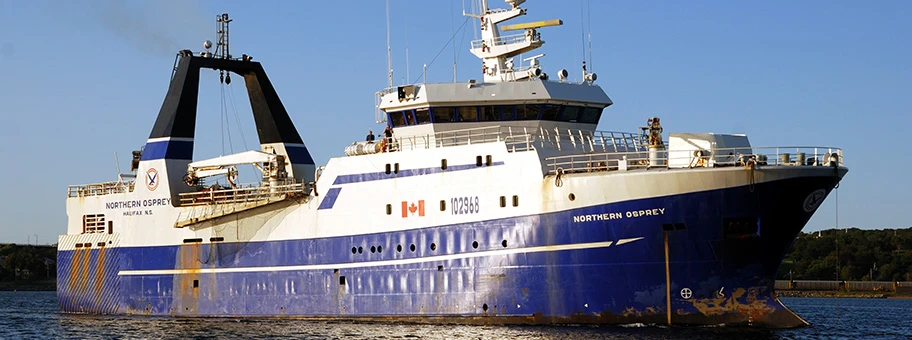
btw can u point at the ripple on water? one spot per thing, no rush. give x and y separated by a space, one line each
36 315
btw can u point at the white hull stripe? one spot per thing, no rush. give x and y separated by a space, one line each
499 252
169 139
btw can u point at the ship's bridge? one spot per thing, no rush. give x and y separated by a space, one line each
428 109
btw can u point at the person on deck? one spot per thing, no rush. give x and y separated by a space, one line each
388 137
370 136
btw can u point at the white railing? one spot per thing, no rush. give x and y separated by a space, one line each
722 157
520 138
504 40
97 189
244 194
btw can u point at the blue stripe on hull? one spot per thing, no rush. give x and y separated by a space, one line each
620 283
170 149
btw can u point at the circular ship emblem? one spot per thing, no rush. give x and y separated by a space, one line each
814 200
152 179
686 293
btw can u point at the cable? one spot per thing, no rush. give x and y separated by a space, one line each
222 108
236 117
441 50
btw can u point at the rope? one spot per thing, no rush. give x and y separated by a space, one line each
558 182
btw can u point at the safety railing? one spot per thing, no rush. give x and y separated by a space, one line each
720 157
521 139
504 40
244 194
97 189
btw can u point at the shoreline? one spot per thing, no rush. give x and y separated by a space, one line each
841 294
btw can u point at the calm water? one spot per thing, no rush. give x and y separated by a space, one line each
34 315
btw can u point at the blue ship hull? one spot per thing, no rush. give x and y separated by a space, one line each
539 269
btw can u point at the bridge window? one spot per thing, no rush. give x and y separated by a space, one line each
409 117
396 118
550 112
571 114
489 113
508 112
423 115
590 115
442 114
527 112
466 114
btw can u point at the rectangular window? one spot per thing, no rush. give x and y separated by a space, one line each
590 115
409 117
489 113
527 112
423 116
571 114
442 114
396 119
508 113
466 114
550 112
94 223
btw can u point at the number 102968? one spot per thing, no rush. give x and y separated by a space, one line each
464 205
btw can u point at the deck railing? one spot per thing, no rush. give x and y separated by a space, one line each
505 40
97 189
642 159
523 139
243 194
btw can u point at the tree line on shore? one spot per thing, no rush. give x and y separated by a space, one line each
850 254
27 262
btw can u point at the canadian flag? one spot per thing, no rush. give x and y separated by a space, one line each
412 208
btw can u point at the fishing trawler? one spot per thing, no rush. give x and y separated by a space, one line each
502 204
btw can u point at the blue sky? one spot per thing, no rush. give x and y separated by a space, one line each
85 79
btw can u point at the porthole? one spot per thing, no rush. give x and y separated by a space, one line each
389 209
396 168
379 249
515 200
443 164
360 250
503 201
484 307
442 205
504 243
477 160
388 169
475 244
433 246
399 248
354 250
412 247
572 197
373 249
489 160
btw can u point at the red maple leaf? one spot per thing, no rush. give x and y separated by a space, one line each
413 208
